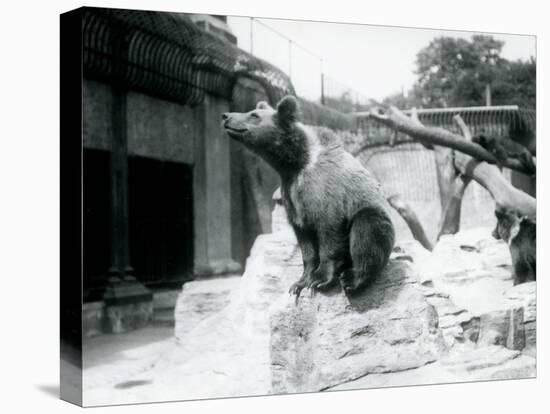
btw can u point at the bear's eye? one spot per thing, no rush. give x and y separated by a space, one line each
254 115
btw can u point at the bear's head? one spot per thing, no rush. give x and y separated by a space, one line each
273 134
508 224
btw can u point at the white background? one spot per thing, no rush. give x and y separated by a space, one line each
29 207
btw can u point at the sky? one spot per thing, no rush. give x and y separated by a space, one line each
375 61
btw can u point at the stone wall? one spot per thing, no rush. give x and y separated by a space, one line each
157 129
168 131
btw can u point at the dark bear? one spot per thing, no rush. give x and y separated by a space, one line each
520 233
504 149
333 203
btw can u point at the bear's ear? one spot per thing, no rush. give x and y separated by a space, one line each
263 105
287 110
480 139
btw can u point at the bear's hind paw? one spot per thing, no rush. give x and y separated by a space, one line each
323 285
347 281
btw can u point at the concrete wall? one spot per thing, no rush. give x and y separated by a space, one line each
212 190
160 129
157 128
97 107
410 171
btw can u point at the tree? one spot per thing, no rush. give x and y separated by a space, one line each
455 72
515 84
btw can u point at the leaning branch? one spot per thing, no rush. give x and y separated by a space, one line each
411 219
457 183
487 175
395 119
463 127
490 177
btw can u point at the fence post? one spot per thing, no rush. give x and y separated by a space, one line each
322 88
252 35
488 95
290 59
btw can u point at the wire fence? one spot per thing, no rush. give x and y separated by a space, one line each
304 67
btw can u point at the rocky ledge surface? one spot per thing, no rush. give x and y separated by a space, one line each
450 315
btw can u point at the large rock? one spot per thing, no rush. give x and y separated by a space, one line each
451 315
331 339
465 363
469 282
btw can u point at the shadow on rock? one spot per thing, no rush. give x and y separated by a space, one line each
384 289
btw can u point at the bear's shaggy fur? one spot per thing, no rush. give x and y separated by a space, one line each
521 235
332 202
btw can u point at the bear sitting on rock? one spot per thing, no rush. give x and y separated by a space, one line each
334 205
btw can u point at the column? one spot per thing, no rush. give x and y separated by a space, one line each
120 255
212 191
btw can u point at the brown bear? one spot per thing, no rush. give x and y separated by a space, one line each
521 235
504 149
333 203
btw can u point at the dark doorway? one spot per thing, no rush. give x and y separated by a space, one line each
96 233
160 204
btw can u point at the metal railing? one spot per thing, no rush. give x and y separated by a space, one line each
501 121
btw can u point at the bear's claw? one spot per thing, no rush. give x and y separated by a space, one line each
296 289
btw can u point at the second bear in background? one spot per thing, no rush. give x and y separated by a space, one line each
520 233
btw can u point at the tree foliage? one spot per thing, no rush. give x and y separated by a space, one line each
456 72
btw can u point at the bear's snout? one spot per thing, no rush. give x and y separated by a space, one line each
225 116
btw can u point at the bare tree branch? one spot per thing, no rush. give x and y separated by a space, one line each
490 177
450 216
446 173
487 175
463 127
411 219
395 119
